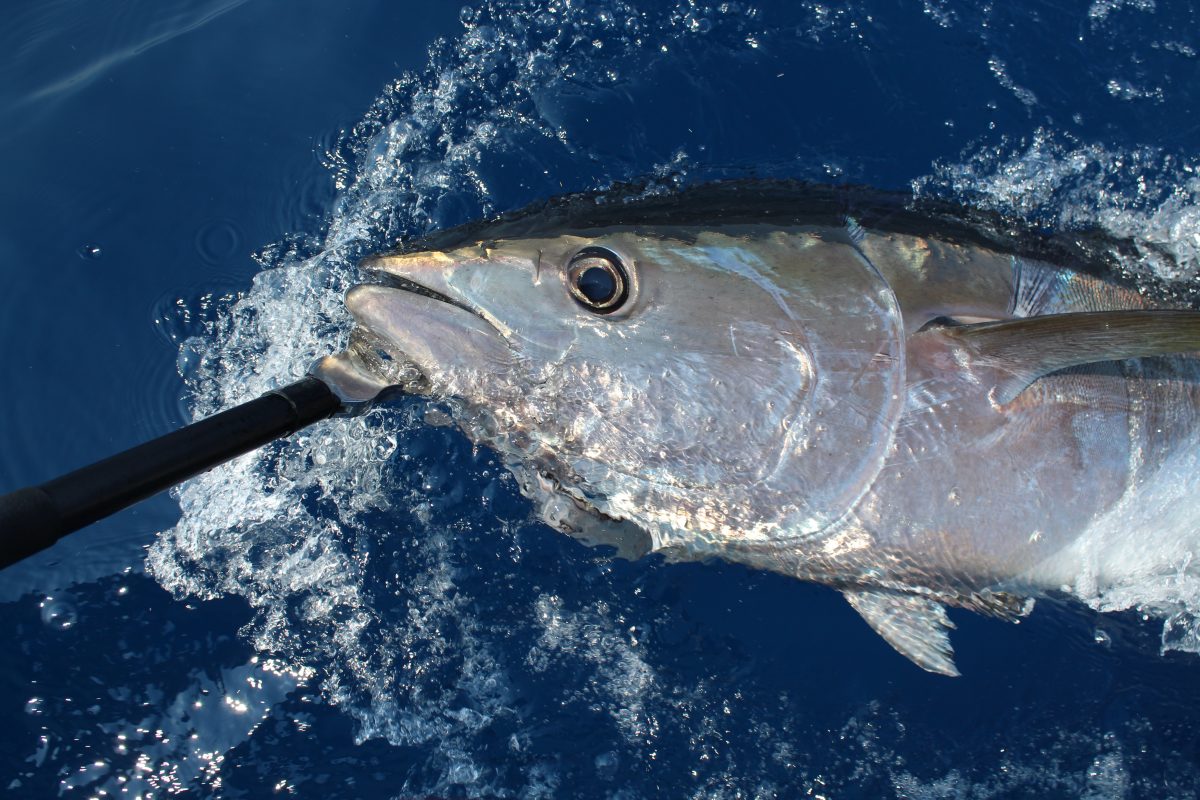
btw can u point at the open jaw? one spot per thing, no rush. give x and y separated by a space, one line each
409 333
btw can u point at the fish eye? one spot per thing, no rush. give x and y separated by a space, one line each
597 280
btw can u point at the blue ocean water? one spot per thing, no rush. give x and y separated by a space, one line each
369 609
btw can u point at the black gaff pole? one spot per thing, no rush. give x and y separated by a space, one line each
33 518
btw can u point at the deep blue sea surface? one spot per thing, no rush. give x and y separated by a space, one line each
369 609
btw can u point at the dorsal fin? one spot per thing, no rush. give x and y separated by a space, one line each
1026 349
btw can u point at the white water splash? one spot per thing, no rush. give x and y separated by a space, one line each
1101 10
1145 195
622 678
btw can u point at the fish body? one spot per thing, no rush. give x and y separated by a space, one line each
911 409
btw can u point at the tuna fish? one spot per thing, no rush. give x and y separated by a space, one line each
921 407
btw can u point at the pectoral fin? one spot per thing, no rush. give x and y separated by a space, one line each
1026 349
916 626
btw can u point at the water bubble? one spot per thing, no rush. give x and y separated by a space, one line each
89 252
1102 638
35 706
1181 631
59 612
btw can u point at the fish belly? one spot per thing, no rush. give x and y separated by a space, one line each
1149 537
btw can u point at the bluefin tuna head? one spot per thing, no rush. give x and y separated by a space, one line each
706 386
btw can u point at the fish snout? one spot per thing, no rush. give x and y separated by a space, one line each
428 270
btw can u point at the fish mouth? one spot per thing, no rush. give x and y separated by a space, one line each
409 319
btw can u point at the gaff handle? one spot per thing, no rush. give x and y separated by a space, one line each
33 518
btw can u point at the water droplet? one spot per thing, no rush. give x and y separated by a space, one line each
89 252
59 612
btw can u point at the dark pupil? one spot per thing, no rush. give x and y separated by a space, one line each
597 284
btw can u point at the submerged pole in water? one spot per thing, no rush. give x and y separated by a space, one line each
33 518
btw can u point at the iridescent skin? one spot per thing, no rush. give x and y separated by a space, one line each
769 396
